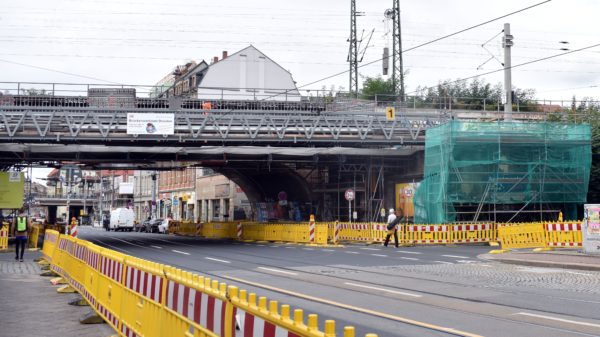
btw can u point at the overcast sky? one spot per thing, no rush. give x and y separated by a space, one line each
140 41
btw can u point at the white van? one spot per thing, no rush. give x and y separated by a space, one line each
121 219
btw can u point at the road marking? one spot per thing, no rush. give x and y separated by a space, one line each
261 245
127 242
274 246
381 255
456 256
576 273
327 250
353 252
358 309
370 248
485 265
179 252
558 319
308 248
383 289
409 258
290 247
157 247
213 259
175 243
277 271
407 252
100 243
466 261
444 262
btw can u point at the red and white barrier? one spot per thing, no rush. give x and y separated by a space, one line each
196 306
146 284
127 331
417 233
198 229
312 231
112 269
239 231
566 236
472 228
253 326
108 315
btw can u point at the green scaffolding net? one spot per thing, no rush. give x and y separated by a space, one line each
501 171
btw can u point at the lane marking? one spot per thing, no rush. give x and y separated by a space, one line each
370 248
179 252
444 262
213 259
558 319
327 250
290 247
101 243
277 271
174 243
358 309
407 252
466 261
381 255
274 246
383 289
127 242
456 256
352 252
308 248
409 258
261 245
157 247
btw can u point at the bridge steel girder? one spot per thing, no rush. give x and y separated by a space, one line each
65 125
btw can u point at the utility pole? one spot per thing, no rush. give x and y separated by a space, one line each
353 51
397 69
153 209
507 43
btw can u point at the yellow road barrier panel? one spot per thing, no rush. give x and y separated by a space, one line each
531 235
4 237
50 238
474 233
428 234
34 236
565 234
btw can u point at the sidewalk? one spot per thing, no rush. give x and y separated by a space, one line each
559 258
30 305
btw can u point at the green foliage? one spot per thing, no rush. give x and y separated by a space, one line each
376 88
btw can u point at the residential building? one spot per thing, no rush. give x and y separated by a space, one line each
176 194
145 183
220 199
116 191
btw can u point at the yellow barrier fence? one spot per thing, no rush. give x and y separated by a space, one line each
4 237
219 230
50 238
143 298
34 236
564 234
522 235
186 228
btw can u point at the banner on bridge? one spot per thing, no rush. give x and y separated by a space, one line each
150 123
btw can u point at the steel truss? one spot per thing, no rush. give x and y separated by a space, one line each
101 126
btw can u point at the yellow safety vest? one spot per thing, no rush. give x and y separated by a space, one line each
21 224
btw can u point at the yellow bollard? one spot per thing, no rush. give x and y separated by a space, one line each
313 322
349 331
329 328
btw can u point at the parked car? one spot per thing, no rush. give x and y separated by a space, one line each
163 227
151 226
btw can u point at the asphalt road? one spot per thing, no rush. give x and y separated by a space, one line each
412 291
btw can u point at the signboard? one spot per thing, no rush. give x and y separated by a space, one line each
150 123
221 191
591 229
12 189
70 174
405 199
349 194
390 113
126 188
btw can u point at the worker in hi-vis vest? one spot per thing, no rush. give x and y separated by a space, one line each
21 227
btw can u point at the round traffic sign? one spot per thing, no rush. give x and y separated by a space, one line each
349 194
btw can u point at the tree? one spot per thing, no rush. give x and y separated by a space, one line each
376 88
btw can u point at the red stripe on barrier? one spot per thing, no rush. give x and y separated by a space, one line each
269 329
186 301
198 307
223 307
175 296
211 314
248 325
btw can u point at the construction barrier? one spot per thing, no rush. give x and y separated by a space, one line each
522 235
34 236
563 234
143 298
428 234
4 237
474 233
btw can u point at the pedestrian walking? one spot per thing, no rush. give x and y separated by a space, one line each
392 227
22 223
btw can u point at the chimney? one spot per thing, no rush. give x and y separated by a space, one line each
224 55
215 59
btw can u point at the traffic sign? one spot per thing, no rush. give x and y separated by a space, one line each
390 113
349 195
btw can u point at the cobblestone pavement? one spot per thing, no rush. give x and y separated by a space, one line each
30 305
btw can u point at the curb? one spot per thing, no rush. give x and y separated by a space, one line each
547 264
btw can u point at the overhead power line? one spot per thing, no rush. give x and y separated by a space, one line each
518 65
432 41
58 71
